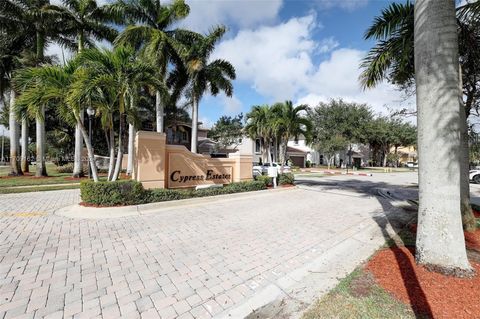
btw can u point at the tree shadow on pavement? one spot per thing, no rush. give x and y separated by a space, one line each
394 220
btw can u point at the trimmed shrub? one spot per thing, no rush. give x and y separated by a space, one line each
67 168
286 179
126 192
231 189
266 180
163 195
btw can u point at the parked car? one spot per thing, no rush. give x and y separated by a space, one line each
263 169
412 165
474 176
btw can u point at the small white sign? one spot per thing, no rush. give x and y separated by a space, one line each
272 171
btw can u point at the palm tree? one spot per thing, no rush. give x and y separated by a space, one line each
53 85
204 75
290 122
261 125
392 59
44 23
84 20
13 42
440 240
117 74
153 36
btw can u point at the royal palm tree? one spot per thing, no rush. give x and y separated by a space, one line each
85 21
44 23
153 36
261 125
205 75
118 74
12 44
392 59
290 122
440 240
54 85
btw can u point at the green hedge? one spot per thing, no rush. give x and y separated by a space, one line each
283 179
126 192
132 193
286 179
264 179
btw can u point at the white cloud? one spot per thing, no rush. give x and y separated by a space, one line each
327 45
232 105
275 60
205 14
279 63
99 2
62 54
344 4
206 122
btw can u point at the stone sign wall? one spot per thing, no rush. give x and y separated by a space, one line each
158 165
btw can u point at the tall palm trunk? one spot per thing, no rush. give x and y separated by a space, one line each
77 159
269 151
194 125
440 240
15 168
118 164
283 152
131 148
24 143
41 169
468 219
111 146
159 112
91 157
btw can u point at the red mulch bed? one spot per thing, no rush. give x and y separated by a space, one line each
472 241
429 294
476 213
282 186
97 206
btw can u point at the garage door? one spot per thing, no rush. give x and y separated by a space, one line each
298 161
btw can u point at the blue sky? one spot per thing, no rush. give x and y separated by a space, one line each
304 51
301 50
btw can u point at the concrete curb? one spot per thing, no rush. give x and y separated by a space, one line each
345 173
83 212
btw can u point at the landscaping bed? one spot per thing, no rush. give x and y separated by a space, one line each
392 285
129 192
429 294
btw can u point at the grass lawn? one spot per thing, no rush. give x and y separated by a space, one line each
53 177
358 296
9 190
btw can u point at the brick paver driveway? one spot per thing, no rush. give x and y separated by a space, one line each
195 261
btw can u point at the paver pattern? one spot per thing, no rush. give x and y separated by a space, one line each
187 262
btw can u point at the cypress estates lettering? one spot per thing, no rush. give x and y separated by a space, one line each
177 176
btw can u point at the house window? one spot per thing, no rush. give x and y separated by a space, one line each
295 142
240 141
257 146
184 136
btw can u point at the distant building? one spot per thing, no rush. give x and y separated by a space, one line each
180 133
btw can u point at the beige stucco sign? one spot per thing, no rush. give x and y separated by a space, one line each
186 172
158 165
